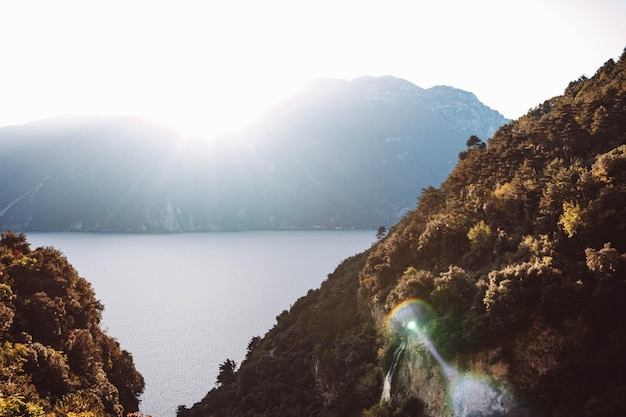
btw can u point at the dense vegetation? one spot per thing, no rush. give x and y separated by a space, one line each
521 251
54 356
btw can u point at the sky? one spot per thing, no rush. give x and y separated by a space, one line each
207 67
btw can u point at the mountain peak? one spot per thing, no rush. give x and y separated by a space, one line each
463 110
384 89
387 81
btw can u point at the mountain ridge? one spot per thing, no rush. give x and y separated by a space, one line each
328 158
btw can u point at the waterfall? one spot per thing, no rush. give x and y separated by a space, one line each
386 396
466 394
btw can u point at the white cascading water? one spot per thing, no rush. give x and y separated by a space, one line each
386 396
468 395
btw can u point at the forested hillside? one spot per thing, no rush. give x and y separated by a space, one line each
54 356
502 293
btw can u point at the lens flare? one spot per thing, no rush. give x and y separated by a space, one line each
411 314
467 394
470 395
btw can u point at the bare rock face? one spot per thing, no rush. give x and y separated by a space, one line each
477 384
420 376
472 385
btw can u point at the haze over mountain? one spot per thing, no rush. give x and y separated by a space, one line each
501 294
338 155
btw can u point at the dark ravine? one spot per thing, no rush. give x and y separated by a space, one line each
338 155
501 294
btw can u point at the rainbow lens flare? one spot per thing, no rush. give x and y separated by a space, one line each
410 315
467 394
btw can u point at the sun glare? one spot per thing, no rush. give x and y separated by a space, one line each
206 68
211 110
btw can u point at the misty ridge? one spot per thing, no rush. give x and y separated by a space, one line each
340 155
501 293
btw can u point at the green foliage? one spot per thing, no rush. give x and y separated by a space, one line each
606 260
54 357
16 406
537 247
7 309
611 166
452 299
26 262
572 219
80 404
481 237
513 293
410 407
412 284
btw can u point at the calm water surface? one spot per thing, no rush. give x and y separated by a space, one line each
184 303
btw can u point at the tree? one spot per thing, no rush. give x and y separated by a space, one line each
572 219
480 237
474 142
227 372
7 310
15 242
16 406
381 233
606 260
254 342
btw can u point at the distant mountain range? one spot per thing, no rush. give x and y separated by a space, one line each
340 154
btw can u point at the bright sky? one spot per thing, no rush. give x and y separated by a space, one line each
211 66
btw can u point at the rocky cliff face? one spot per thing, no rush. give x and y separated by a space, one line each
460 108
478 384
463 110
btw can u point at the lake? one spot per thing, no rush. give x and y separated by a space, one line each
184 303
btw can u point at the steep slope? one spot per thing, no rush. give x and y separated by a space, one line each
502 293
54 356
341 154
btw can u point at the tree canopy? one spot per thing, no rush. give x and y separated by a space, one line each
54 356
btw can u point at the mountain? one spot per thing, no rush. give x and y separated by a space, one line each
501 294
337 155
